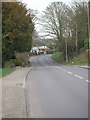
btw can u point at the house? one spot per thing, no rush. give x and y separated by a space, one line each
35 50
43 49
39 50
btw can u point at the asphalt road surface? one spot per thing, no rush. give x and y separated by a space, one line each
54 91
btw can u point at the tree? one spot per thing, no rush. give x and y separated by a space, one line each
56 23
17 29
54 19
80 22
65 22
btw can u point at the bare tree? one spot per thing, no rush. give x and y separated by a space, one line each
54 20
67 22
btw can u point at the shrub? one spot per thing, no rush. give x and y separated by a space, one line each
58 57
24 58
49 51
15 62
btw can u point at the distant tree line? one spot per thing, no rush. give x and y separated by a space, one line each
17 29
67 23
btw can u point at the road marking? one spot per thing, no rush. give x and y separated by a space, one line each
69 72
79 76
87 80
59 68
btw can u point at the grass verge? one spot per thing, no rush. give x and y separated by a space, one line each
58 57
80 60
5 71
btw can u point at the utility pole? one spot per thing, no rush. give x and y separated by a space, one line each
66 49
76 41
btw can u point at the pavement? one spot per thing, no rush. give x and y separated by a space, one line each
13 94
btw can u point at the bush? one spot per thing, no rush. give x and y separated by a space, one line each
58 57
15 62
24 58
82 50
50 51
81 59
86 43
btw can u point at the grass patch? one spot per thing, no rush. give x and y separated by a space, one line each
80 60
0 72
5 71
58 57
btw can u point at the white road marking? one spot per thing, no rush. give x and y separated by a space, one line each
87 80
69 72
59 68
79 76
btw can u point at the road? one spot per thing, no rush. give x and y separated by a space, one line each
54 91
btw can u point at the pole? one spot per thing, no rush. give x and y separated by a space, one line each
53 48
66 50
76 42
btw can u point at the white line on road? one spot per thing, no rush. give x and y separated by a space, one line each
87 80
79 76
69 72
59 68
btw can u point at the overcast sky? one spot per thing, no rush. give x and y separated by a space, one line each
40 5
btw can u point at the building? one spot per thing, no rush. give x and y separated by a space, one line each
39 50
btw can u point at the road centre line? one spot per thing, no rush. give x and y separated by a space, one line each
79 76
70 72
58 67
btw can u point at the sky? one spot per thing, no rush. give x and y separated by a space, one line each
40 5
